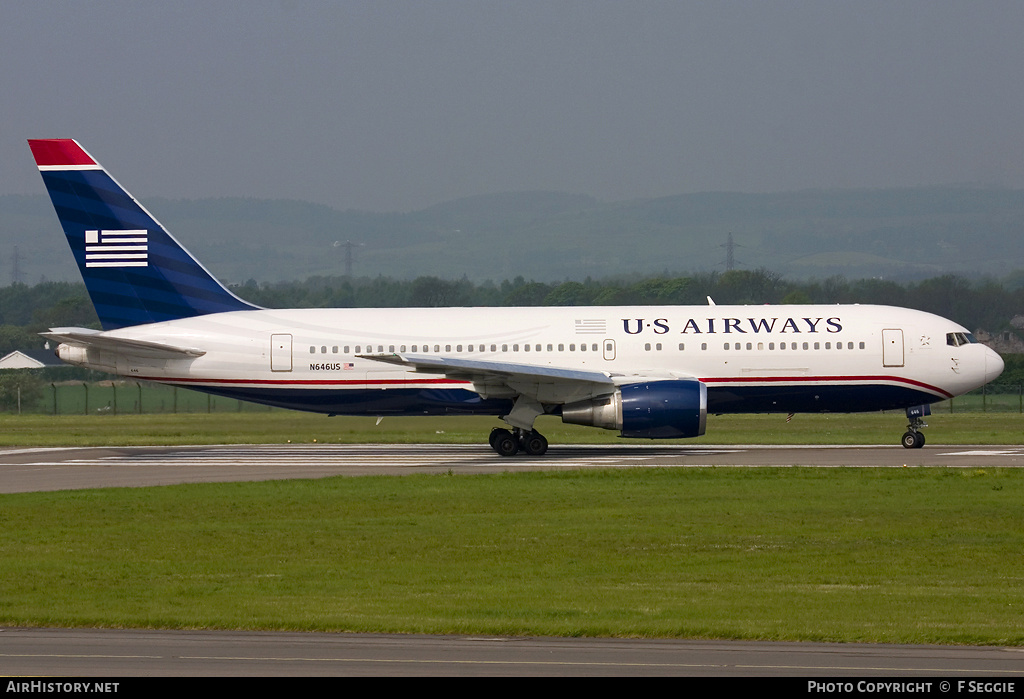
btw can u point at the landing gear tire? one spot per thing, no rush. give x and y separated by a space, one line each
534 443
913 440
504 442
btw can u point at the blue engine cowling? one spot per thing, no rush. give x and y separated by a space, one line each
668 409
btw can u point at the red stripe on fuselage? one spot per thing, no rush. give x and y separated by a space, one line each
307 382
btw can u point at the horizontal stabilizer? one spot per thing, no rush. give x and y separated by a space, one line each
85 337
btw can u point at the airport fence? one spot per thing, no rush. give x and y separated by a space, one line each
116 398
994 398
138 397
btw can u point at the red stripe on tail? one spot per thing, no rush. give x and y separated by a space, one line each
59 151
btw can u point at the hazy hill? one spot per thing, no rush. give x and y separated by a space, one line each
897 233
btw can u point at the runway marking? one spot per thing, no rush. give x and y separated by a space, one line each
365 455
987 452
518 662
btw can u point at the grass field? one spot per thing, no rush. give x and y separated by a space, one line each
909 556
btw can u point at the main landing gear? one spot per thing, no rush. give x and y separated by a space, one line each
510 443
913 438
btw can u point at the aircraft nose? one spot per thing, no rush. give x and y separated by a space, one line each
993 365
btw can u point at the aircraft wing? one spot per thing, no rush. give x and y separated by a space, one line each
86 337
545 384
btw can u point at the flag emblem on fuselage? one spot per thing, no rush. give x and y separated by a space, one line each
117 248
590 326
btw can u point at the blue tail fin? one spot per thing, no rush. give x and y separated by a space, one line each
134 270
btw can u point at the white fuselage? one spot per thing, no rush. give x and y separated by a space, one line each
784 358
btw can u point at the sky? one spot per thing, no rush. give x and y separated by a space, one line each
396 106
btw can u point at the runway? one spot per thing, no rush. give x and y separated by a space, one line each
59 468
126 653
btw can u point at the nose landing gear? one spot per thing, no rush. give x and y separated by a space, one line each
913 438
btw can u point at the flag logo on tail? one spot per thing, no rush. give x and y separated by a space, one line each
117 248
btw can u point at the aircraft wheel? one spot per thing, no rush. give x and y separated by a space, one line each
534 443
495 433
913 440
504 443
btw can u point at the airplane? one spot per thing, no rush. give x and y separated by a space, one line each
648 372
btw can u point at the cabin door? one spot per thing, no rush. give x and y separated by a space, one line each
281 352
892 347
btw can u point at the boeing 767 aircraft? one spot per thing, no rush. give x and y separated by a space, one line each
646 371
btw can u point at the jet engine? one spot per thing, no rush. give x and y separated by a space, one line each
653 410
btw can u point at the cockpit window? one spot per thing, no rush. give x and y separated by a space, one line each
957 339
